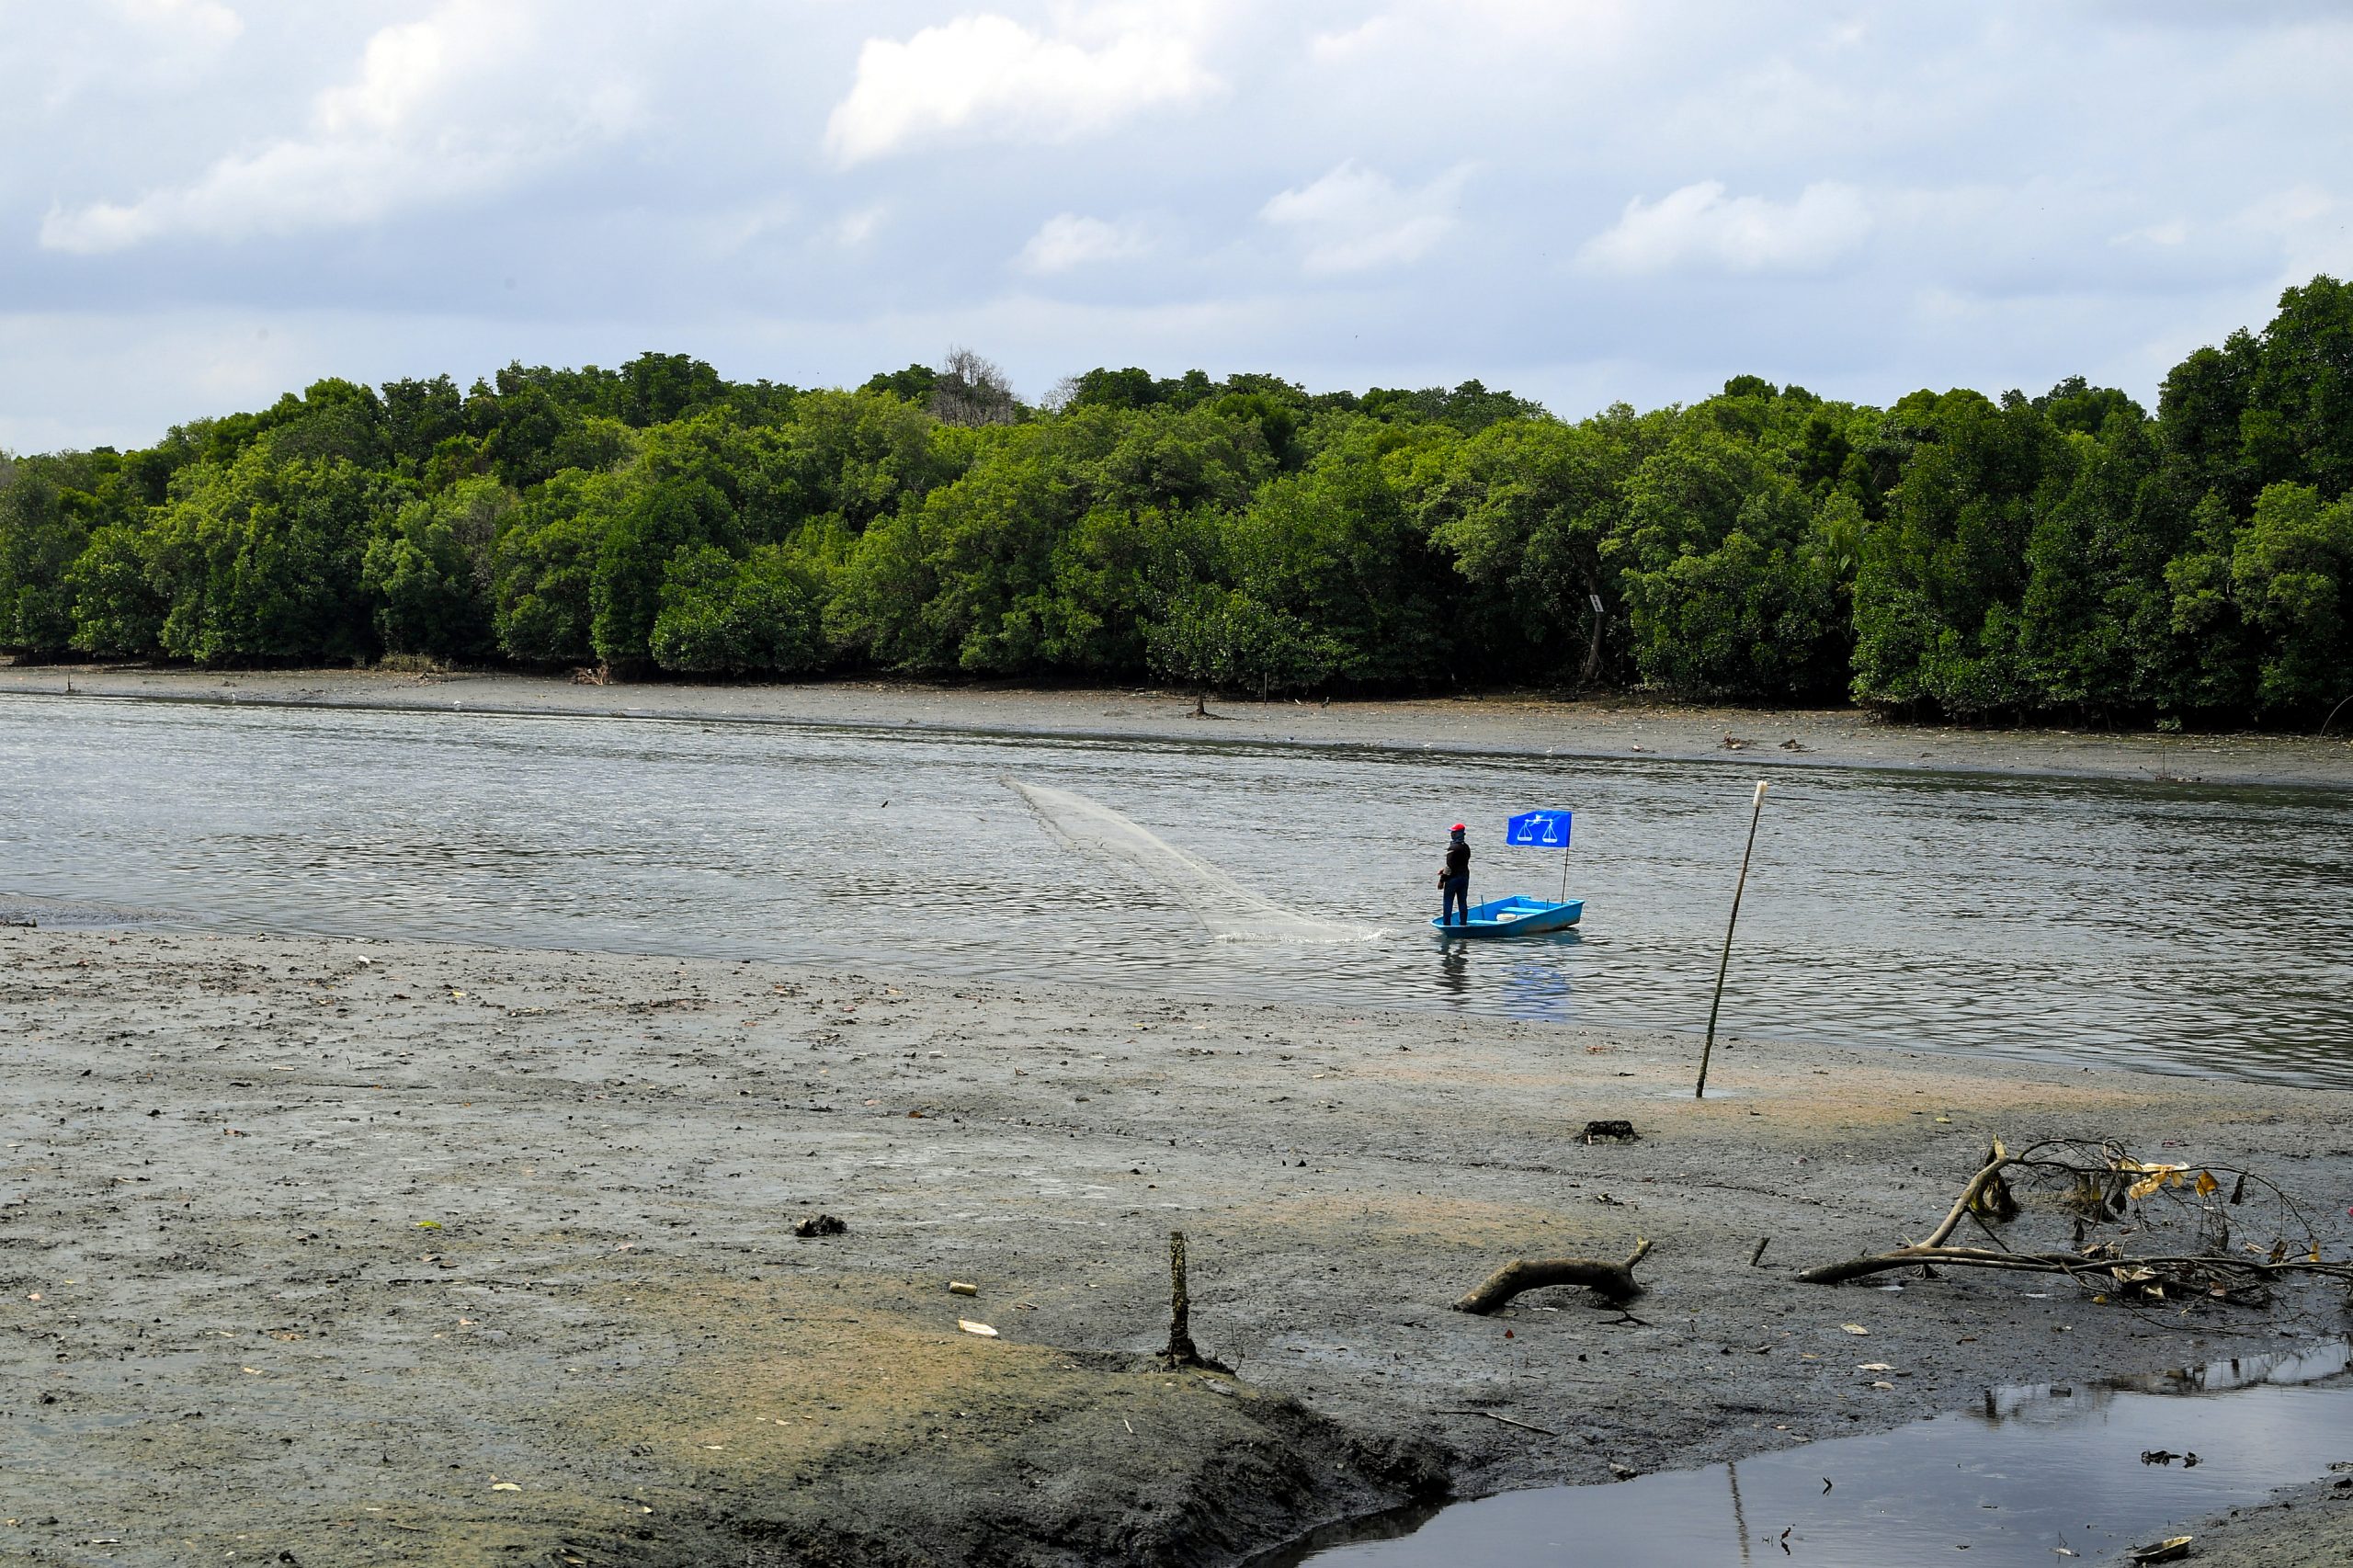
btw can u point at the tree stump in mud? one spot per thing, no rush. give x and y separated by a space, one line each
1613 1282
1181 1351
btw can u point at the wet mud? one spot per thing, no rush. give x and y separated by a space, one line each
326 1251
1527 723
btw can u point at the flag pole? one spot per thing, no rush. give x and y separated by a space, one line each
1723 960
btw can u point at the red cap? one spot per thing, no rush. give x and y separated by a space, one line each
1458 827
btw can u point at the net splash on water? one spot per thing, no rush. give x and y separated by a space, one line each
1231 912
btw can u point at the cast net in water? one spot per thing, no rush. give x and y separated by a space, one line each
1230 910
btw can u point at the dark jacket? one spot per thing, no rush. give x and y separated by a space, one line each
1458 861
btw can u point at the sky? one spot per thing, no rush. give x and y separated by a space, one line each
205 203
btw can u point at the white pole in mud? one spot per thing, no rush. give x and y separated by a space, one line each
1723 960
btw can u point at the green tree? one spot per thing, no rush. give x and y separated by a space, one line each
1222 639
1523 509
2095 632
431 572
2298 425
1939 586
39 538
261 559
1729 593
544 567
721 616
625 588
118 610
2291 572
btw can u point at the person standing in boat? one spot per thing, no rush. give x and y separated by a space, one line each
1454 881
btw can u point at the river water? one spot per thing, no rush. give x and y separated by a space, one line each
2176 927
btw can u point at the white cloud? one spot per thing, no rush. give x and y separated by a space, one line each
1343 48
991 77
449 107
1069 240
852 230
1357 219
1698 229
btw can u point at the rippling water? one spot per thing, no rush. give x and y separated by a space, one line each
2181 927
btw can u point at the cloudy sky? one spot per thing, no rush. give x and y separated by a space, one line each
206 203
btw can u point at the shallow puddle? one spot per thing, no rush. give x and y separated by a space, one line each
2031 1473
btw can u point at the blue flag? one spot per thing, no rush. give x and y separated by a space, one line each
1539 830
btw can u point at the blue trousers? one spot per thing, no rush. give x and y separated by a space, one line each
1458 900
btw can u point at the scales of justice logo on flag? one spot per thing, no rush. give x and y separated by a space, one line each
1537 830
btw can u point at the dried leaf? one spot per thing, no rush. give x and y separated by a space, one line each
1854 1328
2206 1183
504 1486
969 1327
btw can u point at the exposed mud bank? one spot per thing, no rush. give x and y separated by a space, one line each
369 1253
1500 721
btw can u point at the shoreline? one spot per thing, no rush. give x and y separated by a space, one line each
412 1225
1493 724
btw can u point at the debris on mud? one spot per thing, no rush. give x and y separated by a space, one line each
2100 1182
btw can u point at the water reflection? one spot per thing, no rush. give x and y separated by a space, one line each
2034 1471
1454 972
2181 928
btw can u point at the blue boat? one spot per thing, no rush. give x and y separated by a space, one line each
1513 916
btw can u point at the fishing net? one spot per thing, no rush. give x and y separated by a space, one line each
1231 911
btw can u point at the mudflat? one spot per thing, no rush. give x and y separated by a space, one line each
1490 721
327 1251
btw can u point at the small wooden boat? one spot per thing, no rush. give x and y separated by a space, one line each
1513 916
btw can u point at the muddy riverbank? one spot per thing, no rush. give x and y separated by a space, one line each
2303 1527
366 1252
1507 722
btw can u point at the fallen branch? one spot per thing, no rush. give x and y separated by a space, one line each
2101 1180
1613 1282
1523 1426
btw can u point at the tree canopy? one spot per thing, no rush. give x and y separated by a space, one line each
2067 554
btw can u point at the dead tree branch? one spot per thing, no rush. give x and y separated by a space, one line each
2101 1181
1613 1282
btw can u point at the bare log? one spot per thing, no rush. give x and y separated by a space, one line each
1613 1282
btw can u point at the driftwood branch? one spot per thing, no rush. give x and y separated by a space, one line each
1613 1282
2103 1180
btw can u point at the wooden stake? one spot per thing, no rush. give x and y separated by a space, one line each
1723 960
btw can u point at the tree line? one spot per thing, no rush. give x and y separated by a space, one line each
2066 556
